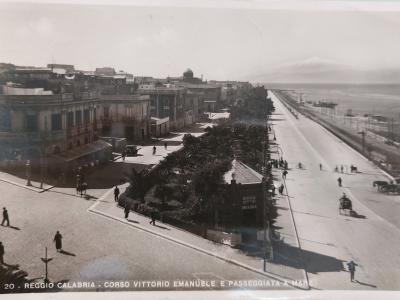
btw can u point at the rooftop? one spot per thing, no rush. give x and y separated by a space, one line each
198 85
242 174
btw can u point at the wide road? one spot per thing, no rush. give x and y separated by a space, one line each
330 240
96 248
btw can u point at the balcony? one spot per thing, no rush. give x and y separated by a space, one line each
37 136
37 99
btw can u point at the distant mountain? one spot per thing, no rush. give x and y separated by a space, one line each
318 70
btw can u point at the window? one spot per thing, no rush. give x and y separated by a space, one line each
5 119
31 123
86 116
78 117
70 119
56 123
249 202
129 112
106 112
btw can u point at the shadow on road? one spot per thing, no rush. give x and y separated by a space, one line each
90 197
354 214
133 221
162 227
15 227
366 284
67 253
293 257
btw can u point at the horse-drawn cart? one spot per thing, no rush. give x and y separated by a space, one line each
345 205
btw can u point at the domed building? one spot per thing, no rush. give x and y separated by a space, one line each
188 76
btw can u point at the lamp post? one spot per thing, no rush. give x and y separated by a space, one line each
28 172
363 140
43 159
46 261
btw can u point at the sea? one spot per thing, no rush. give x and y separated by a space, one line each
361 99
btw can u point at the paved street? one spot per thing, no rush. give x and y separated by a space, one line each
97 248
100 247
330 240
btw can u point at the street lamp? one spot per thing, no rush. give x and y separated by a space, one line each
28 172
363 140
46 261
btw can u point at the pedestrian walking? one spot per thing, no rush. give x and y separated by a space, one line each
352 269
5 217
286 165
126 211
1 253
341 169
284 173
123 155
320 167
58 240
339 180
116 193
281 188
154 150
153 217
165 145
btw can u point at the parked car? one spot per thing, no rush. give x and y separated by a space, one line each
131 150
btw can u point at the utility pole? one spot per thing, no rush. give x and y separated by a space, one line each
46 262
363 140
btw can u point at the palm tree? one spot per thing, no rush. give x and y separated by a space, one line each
11 275
139 183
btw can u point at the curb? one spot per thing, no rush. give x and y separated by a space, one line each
206 252
34 189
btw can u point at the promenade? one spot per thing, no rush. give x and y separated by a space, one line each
330 240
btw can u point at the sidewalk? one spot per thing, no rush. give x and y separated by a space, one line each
21 182
287 252
106 207
174 143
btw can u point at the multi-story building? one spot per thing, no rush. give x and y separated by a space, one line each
57 126
169 102
43 115
125 116
210 94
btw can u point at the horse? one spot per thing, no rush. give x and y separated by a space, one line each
380 184
353 169
81 188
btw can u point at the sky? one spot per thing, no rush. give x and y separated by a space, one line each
227 41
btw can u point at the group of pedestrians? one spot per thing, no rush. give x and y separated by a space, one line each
127 208
155 148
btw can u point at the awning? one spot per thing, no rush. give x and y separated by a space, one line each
84 150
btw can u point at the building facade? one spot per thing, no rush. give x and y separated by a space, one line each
125 116
168 102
